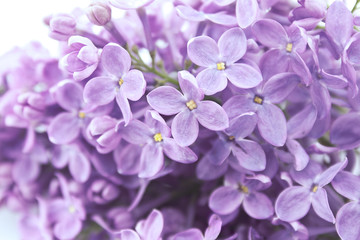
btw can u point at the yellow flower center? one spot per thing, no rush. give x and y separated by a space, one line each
72 209
244 189
289 47
258 99
191 105
158 137
220 66
231 138
121 81
315 188
81 115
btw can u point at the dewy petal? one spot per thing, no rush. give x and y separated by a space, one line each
100 91
128 234
339 22
293 203
189 86
225 200
270 33
279 86
257 205
242 125
301 157
347 184
203 51
190 14
69 95
153 225
64 128
137 132
348 220
79 167
185 128
192 233
166 100
232 45
211 81
214 228
246 12
134 85
250 155
178 153
243 75
272 124
124 105
115 59
321 206
152 160
328 175
211 115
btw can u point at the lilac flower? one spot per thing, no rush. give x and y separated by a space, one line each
62 26
99 13
294 202
83 59
129 5
154 135
270 119
344 132
66 126
189 109
286 49
348 185
219 62
148 229
241 189
122 84
102 191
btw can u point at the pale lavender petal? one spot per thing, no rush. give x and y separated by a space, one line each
278 87
301 123
250 155
128 234
211 115
238 105
137 132
258 205
225 200
333 81
348 220
293 203
80 75
307 175
301 156
115 59
321 98
246 12
203 51
88 54
99 125
185 128
347 184
193 234
214 228
64 128
242 126
272 124
79 167
206 170
321 206
25 171
189 86
134 85
178 153
100 91
345 131
124 105
328 175
127 159
243 75
166 100
232 45
221 18
152 160
68 95
67 228
153 225
211 81
298 66
273 62
190 14
270 33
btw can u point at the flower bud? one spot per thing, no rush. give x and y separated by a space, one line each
99 13
62 26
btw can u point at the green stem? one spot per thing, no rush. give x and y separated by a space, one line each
355 6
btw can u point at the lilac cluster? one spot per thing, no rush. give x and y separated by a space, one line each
186 119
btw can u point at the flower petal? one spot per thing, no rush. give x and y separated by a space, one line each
124 105
178 153
189 86
134 85
128 234
206 170
211 81
211 115
347 184
270 33
328 175
214 228
152 160
348 220
100 91
345 131
153 225
225 200
274 61
127 159
246 12
243 75
203 51
192 233
115 59
69 95
64 128
79 166
232 45
185 128
250 155
301 156
137 132
242 125
258 205
321 206
166 100
293 203
190 14
302 122
219 151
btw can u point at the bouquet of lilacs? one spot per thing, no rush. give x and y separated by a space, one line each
186 119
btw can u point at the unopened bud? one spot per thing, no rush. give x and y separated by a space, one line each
99 13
